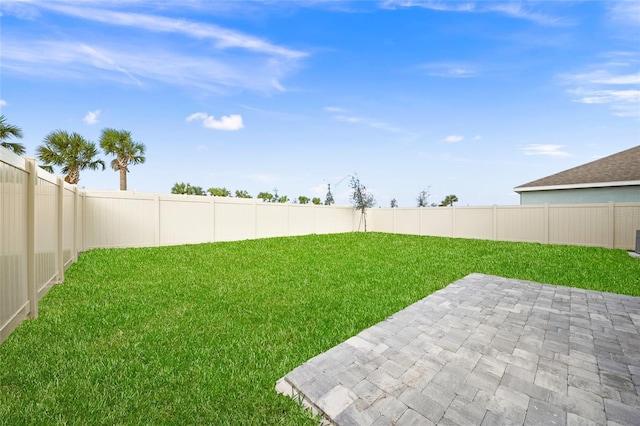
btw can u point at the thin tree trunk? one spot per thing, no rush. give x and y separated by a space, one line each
123 179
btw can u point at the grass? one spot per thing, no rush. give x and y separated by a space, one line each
199 334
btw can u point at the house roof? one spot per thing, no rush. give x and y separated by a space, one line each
620 169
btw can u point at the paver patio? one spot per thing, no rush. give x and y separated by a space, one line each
485 350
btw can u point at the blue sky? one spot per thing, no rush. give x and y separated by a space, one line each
467 98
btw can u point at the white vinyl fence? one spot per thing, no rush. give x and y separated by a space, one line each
123 219
45 223
611 225
40 222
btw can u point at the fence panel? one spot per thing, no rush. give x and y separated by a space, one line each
69 219
627 222
406 221
115 219
521 223
382 220
235 219
583 225
272 220
474 222
46 230
302 219
186 219
325 219
14 299
437 221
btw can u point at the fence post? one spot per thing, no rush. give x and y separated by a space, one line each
31 236
612 224
156 218
60 205
393 221
288 220
255 218
212 236
453 221
76 226
495 222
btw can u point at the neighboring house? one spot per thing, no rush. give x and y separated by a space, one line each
613 178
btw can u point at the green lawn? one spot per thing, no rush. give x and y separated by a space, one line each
199 334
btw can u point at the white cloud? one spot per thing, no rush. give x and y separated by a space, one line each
512 9
202 148
92 117
625 12
132 63
610 84
197 116
224 38
454 138
221 59
341 115
610 96
451 70
545 149
226 122
3 103
477 138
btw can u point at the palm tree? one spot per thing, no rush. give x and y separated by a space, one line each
449 200
8 131
70 151
119 143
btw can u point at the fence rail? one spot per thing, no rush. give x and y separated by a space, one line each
45 223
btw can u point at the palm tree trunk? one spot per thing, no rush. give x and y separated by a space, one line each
123 179
73 177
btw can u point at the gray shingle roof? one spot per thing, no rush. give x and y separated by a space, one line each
623 166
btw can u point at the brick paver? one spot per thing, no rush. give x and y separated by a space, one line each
484 350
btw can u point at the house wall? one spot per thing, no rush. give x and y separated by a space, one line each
619 194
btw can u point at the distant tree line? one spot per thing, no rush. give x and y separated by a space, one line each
72 153
266 197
